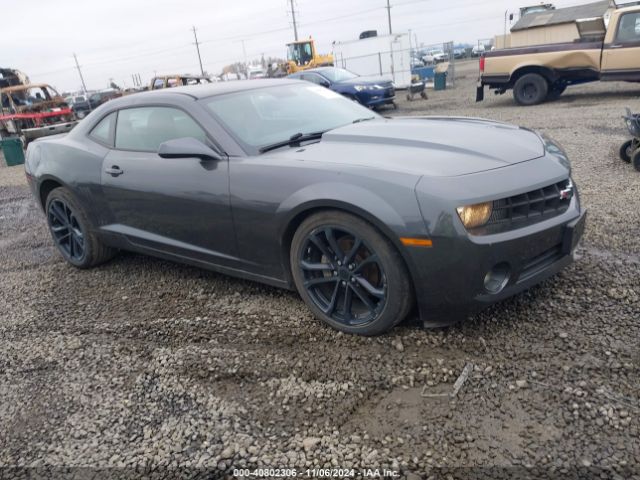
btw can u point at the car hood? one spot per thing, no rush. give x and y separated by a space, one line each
437 146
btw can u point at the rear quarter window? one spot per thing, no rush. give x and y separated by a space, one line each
103 131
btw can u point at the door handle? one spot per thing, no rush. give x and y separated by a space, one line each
114 171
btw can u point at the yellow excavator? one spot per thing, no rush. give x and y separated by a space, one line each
302 55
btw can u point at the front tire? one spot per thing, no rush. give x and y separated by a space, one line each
350 276
530 89
71 231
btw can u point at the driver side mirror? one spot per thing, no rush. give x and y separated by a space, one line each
325 83
187 147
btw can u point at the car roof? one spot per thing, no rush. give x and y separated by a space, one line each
219 88
181 75
322 69
26 86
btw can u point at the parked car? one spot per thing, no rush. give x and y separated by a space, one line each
176 80
477 50
254 73
33 110
369 91
98 98
435 56
80 106
289 184
416 63
459 53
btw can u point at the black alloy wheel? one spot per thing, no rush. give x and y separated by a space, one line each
71 232
342 275
66 230
350 276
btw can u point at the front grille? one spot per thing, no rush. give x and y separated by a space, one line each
531 207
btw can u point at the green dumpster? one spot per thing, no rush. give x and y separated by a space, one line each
440 81
12 151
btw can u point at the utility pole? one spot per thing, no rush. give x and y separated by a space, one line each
504 38
84 86
293 16
244 54
388 7
198 49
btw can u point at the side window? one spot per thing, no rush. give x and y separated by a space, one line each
145 128
158 83
102 132
629 28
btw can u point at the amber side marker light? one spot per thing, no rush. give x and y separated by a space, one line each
416 242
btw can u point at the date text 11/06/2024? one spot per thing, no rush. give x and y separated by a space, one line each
315 472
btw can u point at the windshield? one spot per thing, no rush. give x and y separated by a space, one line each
338 74
300 53
264 116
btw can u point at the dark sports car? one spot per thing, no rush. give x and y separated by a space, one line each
369 91
290 184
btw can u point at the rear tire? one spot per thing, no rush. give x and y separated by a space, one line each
530 89
349 275
72 233
626 150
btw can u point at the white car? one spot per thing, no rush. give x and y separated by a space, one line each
435 56
477 50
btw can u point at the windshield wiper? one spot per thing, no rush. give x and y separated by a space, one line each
294 139
358 120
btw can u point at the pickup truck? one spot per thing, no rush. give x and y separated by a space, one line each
169 81
543 72
32 111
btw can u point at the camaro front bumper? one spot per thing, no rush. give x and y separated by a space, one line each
452 275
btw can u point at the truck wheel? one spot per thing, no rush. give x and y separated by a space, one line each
626 150
530 89
556 90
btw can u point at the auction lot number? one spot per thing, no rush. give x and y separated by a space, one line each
292 472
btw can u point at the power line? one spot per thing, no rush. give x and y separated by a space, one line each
198 50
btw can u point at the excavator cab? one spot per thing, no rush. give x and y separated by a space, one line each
301 53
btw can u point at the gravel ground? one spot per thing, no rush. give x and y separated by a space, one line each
144 366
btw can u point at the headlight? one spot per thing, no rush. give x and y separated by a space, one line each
360 88
475 215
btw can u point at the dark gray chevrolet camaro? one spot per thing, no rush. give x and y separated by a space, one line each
288 183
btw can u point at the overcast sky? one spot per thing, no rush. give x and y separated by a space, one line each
118 38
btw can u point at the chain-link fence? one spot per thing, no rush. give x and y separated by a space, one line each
398 64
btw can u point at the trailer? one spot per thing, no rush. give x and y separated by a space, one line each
385 55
